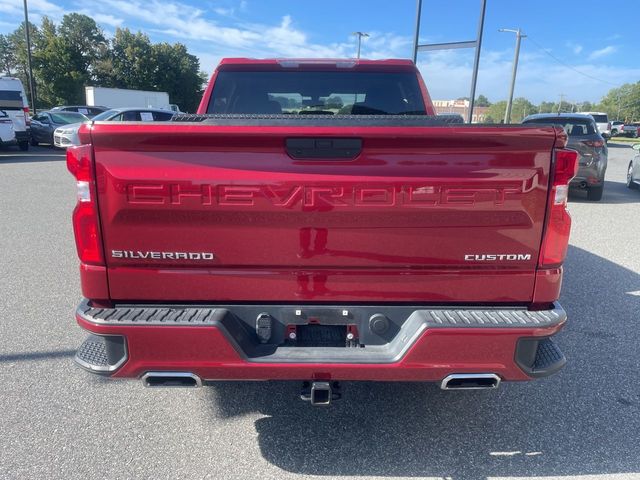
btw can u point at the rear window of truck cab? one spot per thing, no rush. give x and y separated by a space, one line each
318 93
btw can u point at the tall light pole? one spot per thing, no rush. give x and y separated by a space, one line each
32 87
476 60
477 44
360 35
519 36
416 39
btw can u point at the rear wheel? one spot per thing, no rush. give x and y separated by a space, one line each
24 146
630 182
594 194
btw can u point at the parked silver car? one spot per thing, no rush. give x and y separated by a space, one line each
45 123
68 135
633 172
590 144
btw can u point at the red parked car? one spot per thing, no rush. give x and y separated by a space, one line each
316 221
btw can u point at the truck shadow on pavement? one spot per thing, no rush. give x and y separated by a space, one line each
584 420
36 356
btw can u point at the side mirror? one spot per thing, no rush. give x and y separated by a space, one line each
636 146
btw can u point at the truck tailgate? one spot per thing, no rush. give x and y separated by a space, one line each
196 212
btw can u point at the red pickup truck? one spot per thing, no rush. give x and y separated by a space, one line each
316 221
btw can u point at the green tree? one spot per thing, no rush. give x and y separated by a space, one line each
66 56
178 73
132 61
69 56
585 107
18 44
8 61
547 107
496 112
482 101
520 108
622 103
103 70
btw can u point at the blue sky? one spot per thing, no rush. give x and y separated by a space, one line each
580 33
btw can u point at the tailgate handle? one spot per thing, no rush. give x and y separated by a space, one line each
324 148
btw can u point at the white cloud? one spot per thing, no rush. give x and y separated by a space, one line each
107 19
576 48
608 50
281 40
38 7
224 12
448 75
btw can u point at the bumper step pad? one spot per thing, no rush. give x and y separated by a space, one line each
102 353
548 356
539 357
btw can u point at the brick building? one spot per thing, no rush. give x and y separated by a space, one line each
461 107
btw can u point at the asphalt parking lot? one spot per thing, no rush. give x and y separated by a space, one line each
60 422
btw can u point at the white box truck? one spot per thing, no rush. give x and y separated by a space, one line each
122 97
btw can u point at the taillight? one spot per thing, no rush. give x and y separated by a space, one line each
27 122
86 226
556 235
593 143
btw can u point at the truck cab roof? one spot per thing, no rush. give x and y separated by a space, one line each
316 64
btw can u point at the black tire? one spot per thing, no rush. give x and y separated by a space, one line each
34 142
594 194
630 183
24 146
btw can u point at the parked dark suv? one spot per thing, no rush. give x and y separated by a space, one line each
585 138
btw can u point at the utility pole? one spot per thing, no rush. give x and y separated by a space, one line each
32 86
360 35
519 36
562 95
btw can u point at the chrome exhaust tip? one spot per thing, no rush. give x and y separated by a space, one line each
470 381
171 380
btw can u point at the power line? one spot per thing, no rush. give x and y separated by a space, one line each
570 66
